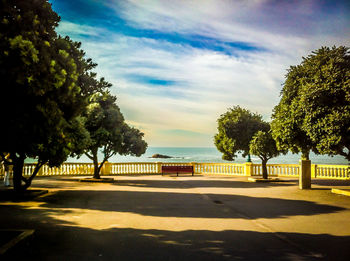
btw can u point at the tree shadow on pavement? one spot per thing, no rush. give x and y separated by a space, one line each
57 239
70 243
331 183
169 204
196 183
56 182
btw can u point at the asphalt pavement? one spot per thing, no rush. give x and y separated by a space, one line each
177 218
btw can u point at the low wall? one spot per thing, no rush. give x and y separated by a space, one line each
147 168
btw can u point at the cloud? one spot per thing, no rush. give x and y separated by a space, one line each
203 83
177 65
273 24
78 30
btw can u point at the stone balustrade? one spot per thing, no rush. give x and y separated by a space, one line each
149 168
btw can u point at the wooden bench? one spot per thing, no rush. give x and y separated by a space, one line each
177 169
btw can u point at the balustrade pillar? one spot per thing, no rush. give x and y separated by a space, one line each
106 169
194 166
313 170
305 174
249 171
159 167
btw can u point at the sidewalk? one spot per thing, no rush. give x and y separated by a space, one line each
184 218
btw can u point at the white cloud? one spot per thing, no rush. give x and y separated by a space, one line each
274 25
206 82
77 30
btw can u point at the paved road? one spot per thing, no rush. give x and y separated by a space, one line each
184 218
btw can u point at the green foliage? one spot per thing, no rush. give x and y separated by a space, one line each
46 80
288 117
263 146
314 111
133 143
236 128
108 131
325 95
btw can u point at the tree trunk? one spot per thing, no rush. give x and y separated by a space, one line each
264 169
36 171
305 155
18 163
96 167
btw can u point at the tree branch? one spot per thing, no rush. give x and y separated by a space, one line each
89 156
4 159
35 172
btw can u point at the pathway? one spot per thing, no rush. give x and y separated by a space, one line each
184 218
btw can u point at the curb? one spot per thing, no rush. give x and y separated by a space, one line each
25 233
345 192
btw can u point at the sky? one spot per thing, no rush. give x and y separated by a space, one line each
177 65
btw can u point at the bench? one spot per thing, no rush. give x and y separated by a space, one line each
177 169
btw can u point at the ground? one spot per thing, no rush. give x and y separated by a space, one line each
179 218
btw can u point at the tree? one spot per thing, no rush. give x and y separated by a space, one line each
325 95
314 111
132 143
264 146
45 78
108 132
288 117
236 128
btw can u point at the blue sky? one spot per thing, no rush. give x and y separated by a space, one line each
177 65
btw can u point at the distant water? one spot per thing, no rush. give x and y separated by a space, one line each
201 154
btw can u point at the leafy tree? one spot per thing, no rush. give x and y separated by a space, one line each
314 111
264 146
236 128
47 81
109 133
288 117
132 143
325 96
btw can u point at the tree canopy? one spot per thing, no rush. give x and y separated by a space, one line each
47 81
288 117
236 128
108 131
325 96
264 146
314 110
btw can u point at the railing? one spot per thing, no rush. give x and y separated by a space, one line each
64 169
147 168
280 170
130 168
220 168
330 171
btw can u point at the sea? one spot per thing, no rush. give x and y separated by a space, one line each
211 154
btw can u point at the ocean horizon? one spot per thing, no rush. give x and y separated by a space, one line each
211 154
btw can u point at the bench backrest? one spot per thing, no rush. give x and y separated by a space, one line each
177 168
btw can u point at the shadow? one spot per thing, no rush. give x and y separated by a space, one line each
58 182
70 243
55 239
331 183
199 183
9 194
168 204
